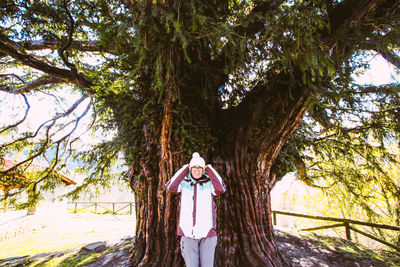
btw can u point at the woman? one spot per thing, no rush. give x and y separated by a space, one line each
197 183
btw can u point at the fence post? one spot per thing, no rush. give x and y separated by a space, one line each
76 206
274 218
347 228
130 208
95 207
113 207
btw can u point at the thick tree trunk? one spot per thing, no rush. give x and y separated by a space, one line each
156 242
244 222
244 225
245 231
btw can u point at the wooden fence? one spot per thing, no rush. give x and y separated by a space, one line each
346 223
105 206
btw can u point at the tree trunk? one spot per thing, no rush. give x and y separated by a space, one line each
249 140
156 241
245 160
245 225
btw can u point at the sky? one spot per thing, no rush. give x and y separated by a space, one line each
381 72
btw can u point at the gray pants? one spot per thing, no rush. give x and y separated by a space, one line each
195 250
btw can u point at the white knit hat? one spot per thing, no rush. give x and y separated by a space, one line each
197 161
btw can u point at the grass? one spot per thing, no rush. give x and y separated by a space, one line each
353 251
67 233
77 257
67 260
64 237
43 241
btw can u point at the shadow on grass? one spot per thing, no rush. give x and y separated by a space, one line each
332 251
100 255
299 250
72 259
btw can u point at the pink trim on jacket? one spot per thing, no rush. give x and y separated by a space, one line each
216 188
173 184
216 180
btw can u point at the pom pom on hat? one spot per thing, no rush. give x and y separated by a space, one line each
197 161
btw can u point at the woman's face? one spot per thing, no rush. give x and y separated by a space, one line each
196 172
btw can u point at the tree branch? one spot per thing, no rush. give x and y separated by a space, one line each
390 56
47 134
375 44
11 49
45 80
352 11
71 30
373 89
349 11
40 152
20 121
256 19
274 104
76 123
13 75
253 23
85 46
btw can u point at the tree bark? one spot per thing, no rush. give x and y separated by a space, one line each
245 158
156 242
244 215
245 224
245 231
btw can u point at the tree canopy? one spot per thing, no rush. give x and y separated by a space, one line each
269 82
226 48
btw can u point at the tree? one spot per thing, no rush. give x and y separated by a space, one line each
361 186
229 79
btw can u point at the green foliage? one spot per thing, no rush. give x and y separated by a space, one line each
204 59
359 182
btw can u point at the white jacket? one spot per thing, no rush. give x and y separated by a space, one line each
197 218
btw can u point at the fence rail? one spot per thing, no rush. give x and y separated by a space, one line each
340 222
346 223
108 206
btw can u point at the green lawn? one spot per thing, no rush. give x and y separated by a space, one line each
70 232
